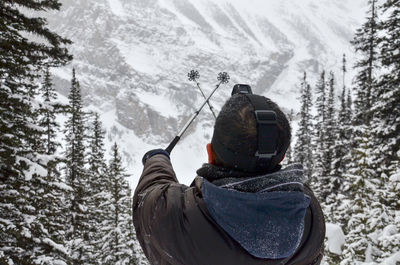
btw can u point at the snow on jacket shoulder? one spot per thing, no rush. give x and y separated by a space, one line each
174 224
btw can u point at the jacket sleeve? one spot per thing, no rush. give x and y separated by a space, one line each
157 195
157 171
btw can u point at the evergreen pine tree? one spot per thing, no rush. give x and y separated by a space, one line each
119 241
366 43
50 188
47 121
367 215
320 127
336 210
349 107
344 70
342 140
386 121
330 124
98 183
372 150
387 107
389 240
303 152
327 183
23 235
78 235
21 61
96 161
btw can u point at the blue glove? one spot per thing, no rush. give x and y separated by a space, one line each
154 152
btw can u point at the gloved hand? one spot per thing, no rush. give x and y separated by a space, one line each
152 153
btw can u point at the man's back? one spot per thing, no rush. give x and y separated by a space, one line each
176 224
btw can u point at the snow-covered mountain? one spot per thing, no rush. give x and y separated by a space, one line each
132 58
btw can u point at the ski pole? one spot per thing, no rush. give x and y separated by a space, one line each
223 78
193 76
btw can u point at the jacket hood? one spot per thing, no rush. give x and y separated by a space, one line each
264 214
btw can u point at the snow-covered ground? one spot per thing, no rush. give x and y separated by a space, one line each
335 238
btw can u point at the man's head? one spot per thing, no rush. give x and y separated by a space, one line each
236 129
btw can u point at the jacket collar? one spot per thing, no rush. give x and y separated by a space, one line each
291 178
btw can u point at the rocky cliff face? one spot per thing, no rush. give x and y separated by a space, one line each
132 57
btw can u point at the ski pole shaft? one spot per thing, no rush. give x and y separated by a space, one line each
178 137
192 118
172 144
208 102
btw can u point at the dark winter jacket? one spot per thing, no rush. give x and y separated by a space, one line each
227 217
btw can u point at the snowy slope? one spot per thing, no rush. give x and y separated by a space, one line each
132 57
